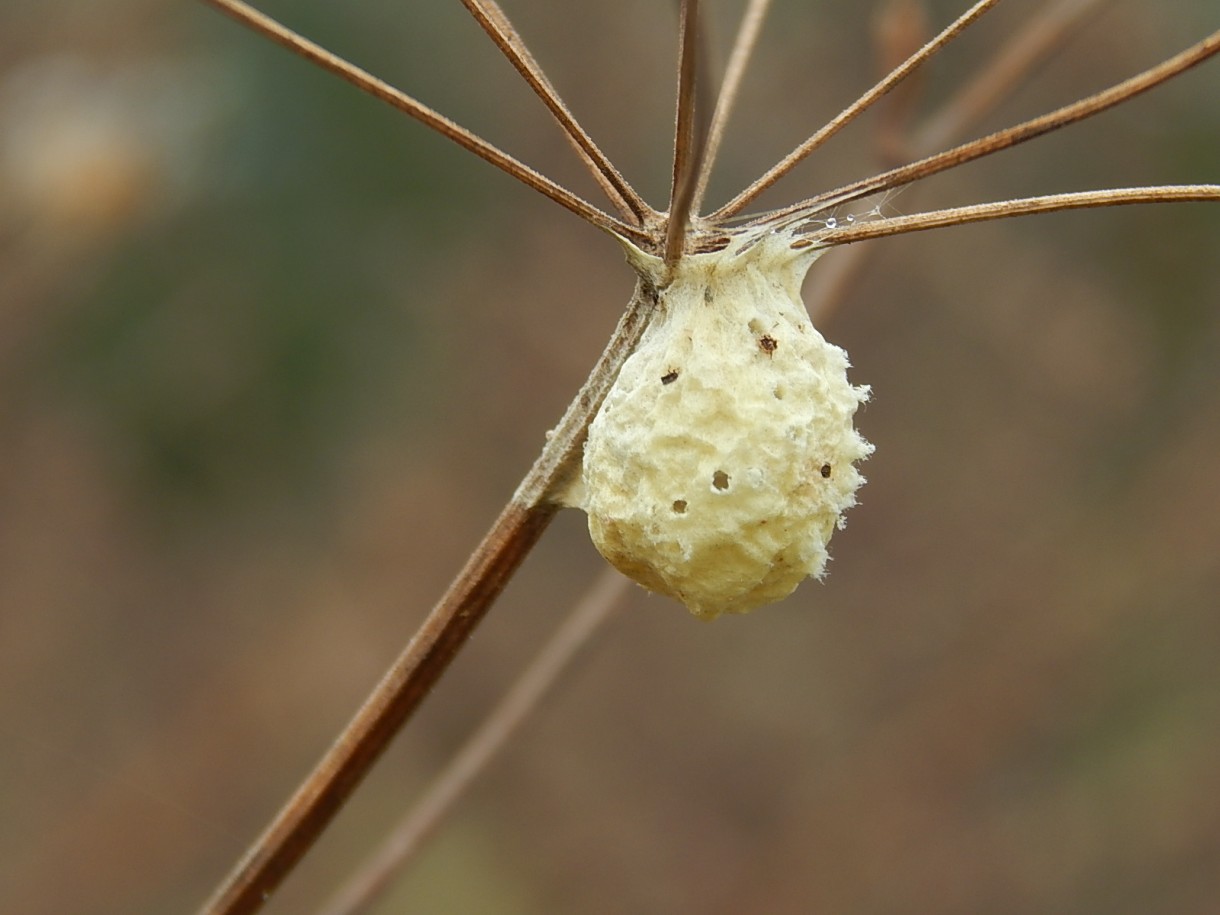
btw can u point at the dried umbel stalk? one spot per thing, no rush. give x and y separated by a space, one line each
723 457
712 444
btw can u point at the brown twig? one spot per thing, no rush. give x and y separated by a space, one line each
492 18
1052 26
589 615
739 58
1003 139
297 826
380 89
528 513
690 134
852 111
999 77
1027 206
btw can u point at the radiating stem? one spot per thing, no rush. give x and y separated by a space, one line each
863 230
380 89
1009 65
690 135
497 25
785 165
739 59
1003 139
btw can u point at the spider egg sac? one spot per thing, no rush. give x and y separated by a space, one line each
722 459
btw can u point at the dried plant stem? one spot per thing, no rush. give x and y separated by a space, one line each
785 165
1053 25
958 216
1004 139
274 854
491 17
1003 73
690 134
587 618
739 58
380 89
526 516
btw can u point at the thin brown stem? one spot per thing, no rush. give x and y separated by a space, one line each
297 826
852 111
427 656
739 58
1003 139
294 830
591 612
1015 60
377 88
1046 31
1026 206
690 133
492 18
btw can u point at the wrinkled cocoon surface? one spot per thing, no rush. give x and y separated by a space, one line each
722 459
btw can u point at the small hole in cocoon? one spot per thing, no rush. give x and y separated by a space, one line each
720 480
680 506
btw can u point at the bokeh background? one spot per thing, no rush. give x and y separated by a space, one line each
272 357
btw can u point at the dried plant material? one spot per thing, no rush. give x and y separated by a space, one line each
722 459
715 412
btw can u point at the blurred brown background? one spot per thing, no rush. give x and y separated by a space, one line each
271 358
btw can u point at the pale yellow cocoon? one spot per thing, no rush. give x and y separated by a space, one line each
722 459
